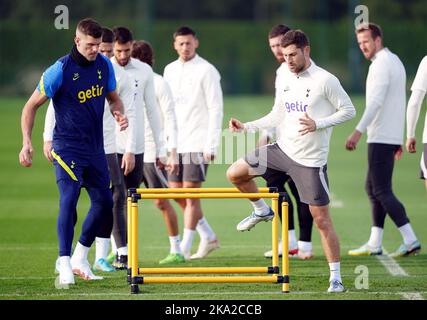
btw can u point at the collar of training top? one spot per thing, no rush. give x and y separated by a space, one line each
79 58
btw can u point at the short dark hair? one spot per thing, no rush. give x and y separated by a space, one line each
184 31
296 37
107 35
278 30
122 35
90 27
374 28
143 51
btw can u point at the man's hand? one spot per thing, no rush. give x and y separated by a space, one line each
411 145
128 163
121 119
398 153
208 157
353 140
235 125
26 155
308 124
47 148
172 165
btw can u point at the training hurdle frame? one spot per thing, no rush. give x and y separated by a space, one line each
136 275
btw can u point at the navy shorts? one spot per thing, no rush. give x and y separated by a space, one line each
89 171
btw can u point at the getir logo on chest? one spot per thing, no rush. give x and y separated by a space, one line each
93 92
296 106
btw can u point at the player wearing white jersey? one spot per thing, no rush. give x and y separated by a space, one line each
197 93
419 88
141 75
312 102
110 130
302 248
383 119
155 177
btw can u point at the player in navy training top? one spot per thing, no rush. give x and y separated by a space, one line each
78 85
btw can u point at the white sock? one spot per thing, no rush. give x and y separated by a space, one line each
122 251
407 233
260 207
305 246
292 240
187 240
113 245
376 238
80 254
174 243
102 246
335 273
64 262
205 231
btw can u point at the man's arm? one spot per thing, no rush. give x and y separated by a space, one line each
412 114
27 124
116 108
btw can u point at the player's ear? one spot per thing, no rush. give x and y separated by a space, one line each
76 40
196 42
307 51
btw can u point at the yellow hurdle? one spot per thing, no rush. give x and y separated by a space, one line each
134 272
237 279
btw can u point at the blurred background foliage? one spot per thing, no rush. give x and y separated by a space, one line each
232 33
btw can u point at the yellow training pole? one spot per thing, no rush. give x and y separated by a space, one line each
194 190
134 231
285 246
275 232
129 228
209 196
205 270
204 279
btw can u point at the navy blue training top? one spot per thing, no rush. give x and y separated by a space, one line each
78 94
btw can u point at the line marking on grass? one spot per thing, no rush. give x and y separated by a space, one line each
412 296
391 265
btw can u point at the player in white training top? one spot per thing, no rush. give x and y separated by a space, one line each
312 102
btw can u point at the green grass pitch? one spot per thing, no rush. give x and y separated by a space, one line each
28 243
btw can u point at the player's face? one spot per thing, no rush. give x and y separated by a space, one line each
367 44
276 49
296 58
88 46
186 46
106 48
122 52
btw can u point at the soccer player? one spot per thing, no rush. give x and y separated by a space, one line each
312 102
141 76
78 84
155 177
197 93
419 88
303 249
383 119
125 92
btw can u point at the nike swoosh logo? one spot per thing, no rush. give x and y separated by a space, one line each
75 78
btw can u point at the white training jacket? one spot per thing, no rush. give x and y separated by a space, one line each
167 117
111 128
141 75
197 94
384 115
419 89
318 93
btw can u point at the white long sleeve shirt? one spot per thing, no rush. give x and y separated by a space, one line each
419 89
384 115
317 93
110 127
197 94
167 117
141 75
